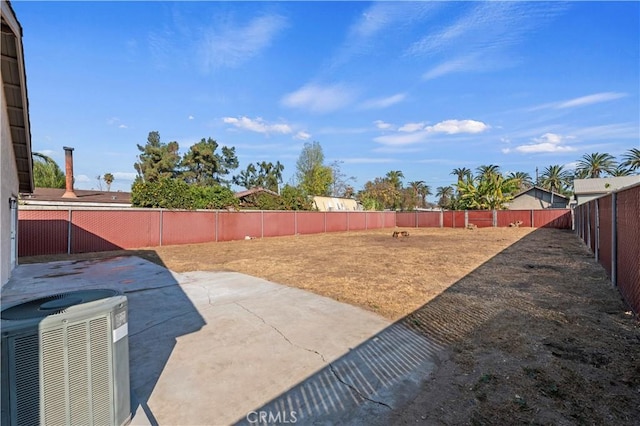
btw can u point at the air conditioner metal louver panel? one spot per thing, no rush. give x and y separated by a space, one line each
70 367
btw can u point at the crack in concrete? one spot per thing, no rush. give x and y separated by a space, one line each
354 389
330 365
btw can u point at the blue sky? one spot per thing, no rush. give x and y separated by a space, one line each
420 87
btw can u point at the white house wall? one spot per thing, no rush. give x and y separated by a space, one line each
8 189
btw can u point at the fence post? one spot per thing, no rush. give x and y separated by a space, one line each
532 216
161 226
614 239
325 222
216 227
366 224
494 218
348 217
69 226
441 218
588 240
295 222
261 223
597 233
466 218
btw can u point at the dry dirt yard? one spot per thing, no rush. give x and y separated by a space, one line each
533 330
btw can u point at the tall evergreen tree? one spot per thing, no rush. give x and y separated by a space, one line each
156 159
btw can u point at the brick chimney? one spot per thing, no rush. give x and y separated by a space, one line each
68 165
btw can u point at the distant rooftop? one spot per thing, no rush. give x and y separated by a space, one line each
54 196
603 185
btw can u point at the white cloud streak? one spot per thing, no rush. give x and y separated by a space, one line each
231 44
595 98
384 102
411 133
257 125
320 99
547 143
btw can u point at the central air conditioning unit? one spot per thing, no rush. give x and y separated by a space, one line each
65 360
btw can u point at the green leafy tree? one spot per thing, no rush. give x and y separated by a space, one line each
489 191
170 193
156 159
264 174
203 166
313 176
294 198
108 179
631 159
46 172
596 164
485 172
621 171
379 194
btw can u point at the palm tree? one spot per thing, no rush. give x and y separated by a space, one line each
108 179
521 179
621 171
46 172
444 195
595 164
420 190
631 159
462 173
485 171
555 179
394 177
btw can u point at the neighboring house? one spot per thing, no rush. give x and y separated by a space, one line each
53 197
536 198
15 153
334 204
587 189
248 198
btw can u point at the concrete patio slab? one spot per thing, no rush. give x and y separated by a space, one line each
211 348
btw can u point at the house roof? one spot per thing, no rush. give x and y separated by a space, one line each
54 195
603 185
538 189
14 82
256 190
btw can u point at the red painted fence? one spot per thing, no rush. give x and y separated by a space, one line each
610 227
44 232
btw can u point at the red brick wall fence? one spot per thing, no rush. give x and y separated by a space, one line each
610 227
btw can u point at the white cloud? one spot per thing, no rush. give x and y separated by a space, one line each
401 139
303 136
383 102
230 44
547 143
590 99
411 127
581 101
319 99
481 39
458 126
411 133
81 178
257 125
191 117
383 125
122 126
129 176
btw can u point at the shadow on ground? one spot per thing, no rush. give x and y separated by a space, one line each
154 324
535 334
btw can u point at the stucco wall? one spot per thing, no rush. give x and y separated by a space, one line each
528 202
8 189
